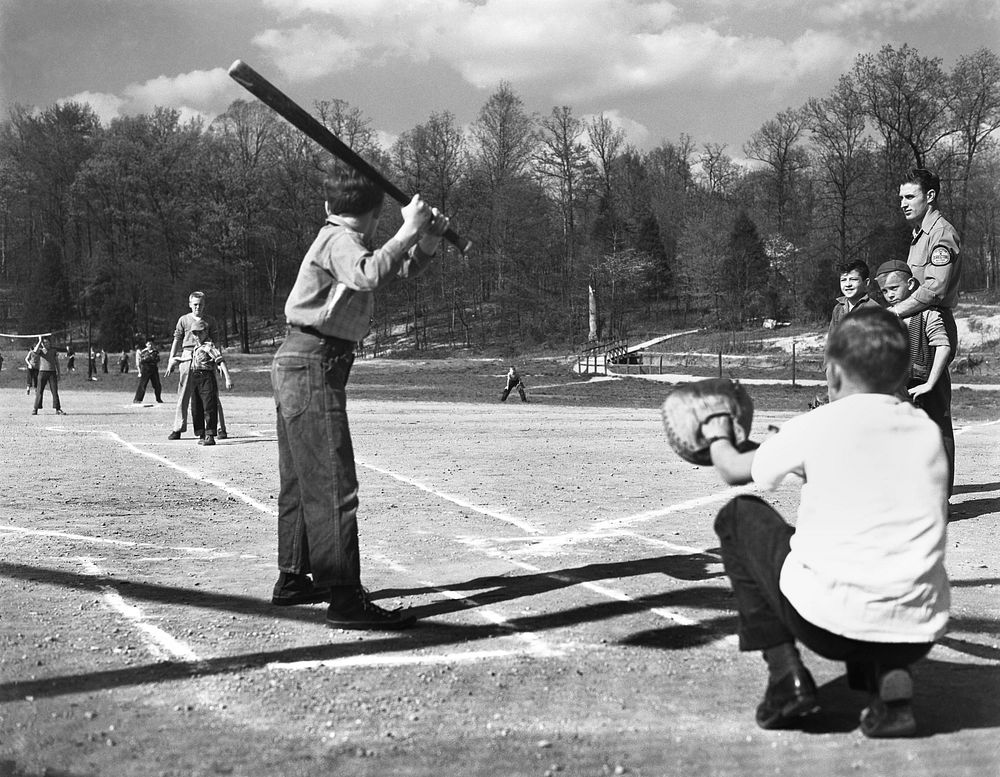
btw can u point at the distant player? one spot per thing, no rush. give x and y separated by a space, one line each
513 381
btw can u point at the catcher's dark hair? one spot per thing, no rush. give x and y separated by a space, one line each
348 192
857 265
872 346
925 179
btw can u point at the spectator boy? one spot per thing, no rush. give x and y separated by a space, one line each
929 382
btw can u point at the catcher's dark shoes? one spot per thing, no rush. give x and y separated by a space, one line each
352 608
291 590
889 713
174 436
788 699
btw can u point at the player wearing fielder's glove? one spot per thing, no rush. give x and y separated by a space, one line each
696 414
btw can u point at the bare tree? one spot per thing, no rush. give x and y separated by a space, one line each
906 95
776 145
975 108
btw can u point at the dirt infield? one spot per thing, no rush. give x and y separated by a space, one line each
574 615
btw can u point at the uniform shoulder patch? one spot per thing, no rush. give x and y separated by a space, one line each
940 256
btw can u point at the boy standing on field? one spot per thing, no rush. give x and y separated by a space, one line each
860 578
328 312
205 360
929 382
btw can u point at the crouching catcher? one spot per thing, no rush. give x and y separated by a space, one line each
860 578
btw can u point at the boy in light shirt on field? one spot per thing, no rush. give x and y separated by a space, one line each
860 578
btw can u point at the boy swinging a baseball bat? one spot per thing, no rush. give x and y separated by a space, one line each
328 311
860 578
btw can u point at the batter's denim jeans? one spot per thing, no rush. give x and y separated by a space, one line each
318 500
754 540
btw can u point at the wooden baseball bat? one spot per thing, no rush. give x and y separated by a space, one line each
278 101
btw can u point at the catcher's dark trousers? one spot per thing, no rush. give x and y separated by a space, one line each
318 499
204 402
754 542
148 374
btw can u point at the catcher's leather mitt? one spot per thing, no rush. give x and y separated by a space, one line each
690 405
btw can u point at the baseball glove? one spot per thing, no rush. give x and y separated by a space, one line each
722 403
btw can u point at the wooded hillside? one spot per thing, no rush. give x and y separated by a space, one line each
105 229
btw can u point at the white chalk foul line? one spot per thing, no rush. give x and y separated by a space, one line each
457 500
206 553
159 643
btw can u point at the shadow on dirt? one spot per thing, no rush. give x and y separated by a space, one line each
949 696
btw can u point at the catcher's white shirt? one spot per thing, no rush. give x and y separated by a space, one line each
867 556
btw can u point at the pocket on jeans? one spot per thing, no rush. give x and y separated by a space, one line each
293 389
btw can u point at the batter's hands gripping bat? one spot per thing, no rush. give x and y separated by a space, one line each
694 414
277 100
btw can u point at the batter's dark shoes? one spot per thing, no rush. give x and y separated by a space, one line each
788 699
297 589
889 713
174 436
352 608
223 434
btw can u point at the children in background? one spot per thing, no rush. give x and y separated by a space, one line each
31 360
205 360
854 286
856 289
513 381
929 383
147 364
860 578
48 375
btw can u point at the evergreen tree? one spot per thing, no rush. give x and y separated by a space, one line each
48 298
744 273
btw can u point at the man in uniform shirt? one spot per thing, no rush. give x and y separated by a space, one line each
936 262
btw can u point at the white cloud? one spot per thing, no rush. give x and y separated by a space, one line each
198 87
197 94
636 133
106 106
307 52
577 49
890 13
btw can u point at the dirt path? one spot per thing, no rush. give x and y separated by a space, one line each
574 617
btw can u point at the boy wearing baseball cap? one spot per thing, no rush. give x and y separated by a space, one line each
931 351
860 578
205 360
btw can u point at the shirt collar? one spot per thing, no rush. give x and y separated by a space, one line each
927 222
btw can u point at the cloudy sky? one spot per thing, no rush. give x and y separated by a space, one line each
715 69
